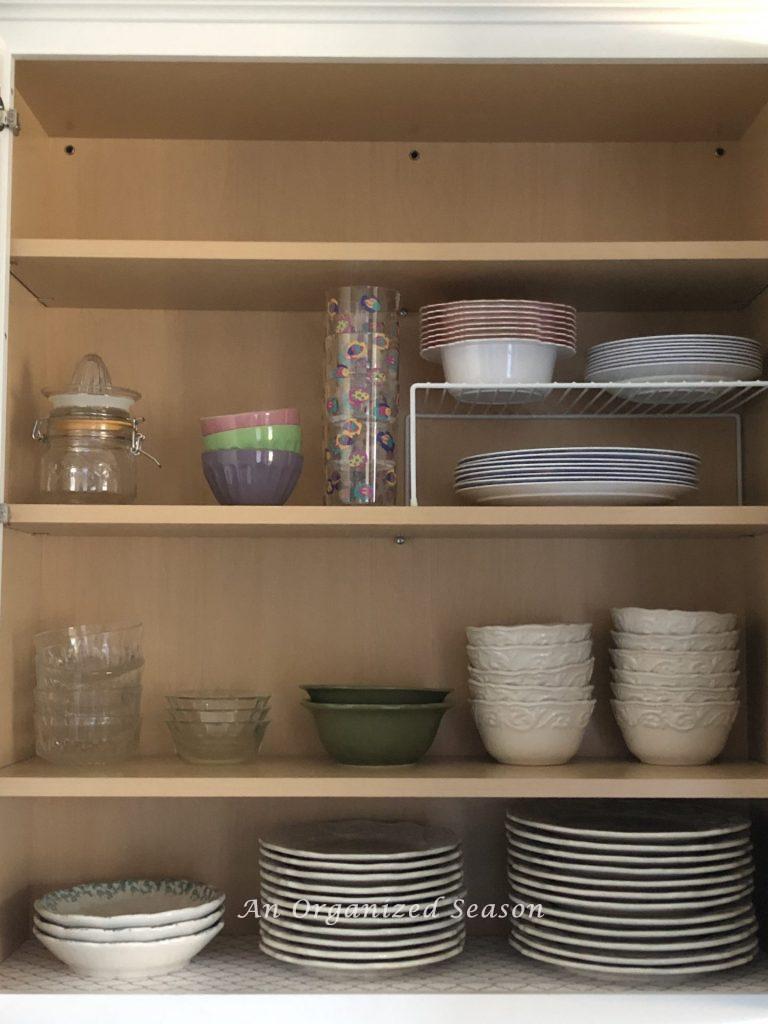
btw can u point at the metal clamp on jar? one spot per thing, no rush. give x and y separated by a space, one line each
91 439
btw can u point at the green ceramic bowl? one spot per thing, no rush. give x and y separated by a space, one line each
374 695
280 437
377 734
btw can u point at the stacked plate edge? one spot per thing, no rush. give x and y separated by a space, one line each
361 895
639 889
594 474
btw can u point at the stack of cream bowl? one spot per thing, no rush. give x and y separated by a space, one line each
217 727
675 679
530 690
132 928
361 895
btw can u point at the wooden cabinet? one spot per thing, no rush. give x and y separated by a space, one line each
182 220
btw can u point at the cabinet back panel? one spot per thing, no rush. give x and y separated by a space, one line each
192 364
279 613
364 191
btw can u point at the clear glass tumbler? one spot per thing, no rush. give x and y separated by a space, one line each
362 361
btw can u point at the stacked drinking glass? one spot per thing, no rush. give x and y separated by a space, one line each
88 695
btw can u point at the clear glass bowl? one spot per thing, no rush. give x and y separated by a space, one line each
86 739
224 716
71 680
212 701
202 745
89 649
87 700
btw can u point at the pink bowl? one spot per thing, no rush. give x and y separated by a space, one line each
263 418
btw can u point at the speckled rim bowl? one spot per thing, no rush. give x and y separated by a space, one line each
377 734
375 694
244 477
258 418
278 438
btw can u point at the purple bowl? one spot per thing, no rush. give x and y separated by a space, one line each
258 477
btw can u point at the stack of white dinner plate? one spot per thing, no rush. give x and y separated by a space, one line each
675 680
530 689
134 928
642 888
593 475
508 343
674 358
361 895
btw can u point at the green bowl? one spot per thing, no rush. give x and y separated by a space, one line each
280 437
377 734
374 695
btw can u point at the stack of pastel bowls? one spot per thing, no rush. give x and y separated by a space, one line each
376 725
217 727
675 682
530 690
252 458
88 694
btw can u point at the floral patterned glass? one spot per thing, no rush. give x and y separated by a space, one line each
361 396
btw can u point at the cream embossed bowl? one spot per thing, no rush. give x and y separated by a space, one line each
676 663
514 636
682 681
522 657
532 734
569 675
668 642
678 623
675 734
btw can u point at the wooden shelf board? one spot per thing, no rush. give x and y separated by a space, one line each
414 101
449 778
124 274
424 521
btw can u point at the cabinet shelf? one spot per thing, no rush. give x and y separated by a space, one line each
397 521
234 965
125 274
450 778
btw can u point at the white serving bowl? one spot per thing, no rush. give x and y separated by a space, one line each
678 623
668 642
517 733
674 695
716 681
534 635
500 361
523 657
674 663
675 734
570 675
152 934
527 694
128 959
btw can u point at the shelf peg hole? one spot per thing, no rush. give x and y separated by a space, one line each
720 151
414 155
69 149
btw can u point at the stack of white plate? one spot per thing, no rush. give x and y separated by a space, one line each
499 342
134 928
361 895
593 475
675 358
675 682
530 690
643 888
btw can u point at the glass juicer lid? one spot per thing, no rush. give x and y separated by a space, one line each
91 387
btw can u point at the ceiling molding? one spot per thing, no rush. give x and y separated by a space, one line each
548 12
